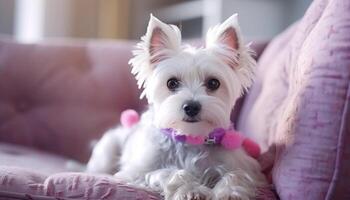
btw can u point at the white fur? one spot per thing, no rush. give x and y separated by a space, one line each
144 156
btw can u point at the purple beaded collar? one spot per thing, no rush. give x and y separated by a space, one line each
228 138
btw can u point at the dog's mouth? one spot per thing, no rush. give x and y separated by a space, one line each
191 120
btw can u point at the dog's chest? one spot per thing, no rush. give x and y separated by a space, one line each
184 156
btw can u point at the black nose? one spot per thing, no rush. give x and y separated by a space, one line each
192 108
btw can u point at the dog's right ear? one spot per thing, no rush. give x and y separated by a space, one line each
160 42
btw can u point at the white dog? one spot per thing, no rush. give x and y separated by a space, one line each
191 92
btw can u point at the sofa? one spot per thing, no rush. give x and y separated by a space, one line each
58 96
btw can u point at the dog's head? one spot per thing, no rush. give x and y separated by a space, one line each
192 90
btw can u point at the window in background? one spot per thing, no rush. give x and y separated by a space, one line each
29 20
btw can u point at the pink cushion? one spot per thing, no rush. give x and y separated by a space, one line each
58 96
301 101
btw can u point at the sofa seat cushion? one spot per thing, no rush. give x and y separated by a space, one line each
31 159
26 173
21 183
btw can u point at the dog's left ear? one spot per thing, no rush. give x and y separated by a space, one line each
225 41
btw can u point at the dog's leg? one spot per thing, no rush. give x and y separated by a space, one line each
237 185
182 185
106 153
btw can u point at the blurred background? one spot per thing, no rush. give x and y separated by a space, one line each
32 20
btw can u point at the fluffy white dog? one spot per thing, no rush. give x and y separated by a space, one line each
191 92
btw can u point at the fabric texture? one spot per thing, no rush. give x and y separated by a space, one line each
21 183
299 105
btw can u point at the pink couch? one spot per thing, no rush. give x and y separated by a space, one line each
55 97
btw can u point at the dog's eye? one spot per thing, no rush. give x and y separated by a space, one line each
173 84
213 84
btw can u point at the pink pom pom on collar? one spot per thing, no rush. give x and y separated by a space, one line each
129 117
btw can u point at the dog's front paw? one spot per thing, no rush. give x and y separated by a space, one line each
125 177
236 185
191 192
228 197
231 195
183 186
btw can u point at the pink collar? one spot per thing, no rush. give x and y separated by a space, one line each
228 138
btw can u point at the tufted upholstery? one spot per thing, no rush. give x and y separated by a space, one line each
299 105
58 96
